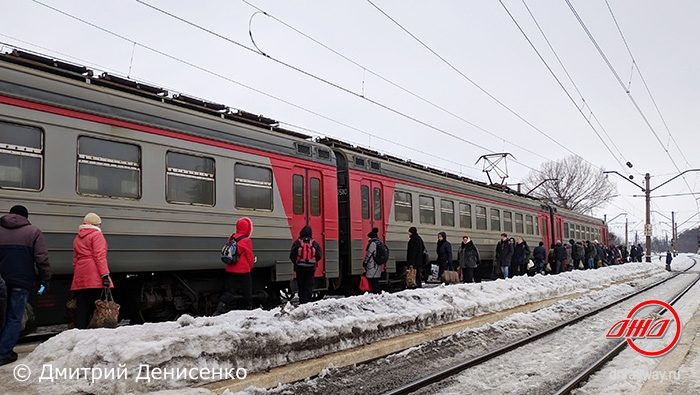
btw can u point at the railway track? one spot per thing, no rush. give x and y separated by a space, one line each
455 369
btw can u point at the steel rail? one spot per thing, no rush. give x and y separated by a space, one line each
457 368
598 365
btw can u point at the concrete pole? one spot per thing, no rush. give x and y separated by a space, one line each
647 226
626 233
673 231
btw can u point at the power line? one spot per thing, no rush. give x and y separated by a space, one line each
483 90
387 80
218 75
327 82
644 82
532 45
622 84
568 75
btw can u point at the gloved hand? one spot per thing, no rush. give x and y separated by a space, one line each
105 280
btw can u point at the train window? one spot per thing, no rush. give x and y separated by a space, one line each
377 203
495 219
364 190
108 168
426 208
519 224
465 216
304 149
529 225
359 162
447 213
253 186
298 194
324 154
578 232
21 156
189 179
403 207
374 165
537 226
315 197
480 217
566 230
507 221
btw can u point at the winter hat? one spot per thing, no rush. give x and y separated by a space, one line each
412 230
20 210
92 219
373 234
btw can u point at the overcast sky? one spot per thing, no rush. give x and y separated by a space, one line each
477 37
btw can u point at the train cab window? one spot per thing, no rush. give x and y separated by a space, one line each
315 198
253 187
364 191
426 207
403 207
465 216
304 149
480 217
529 225
377 193
21 156
108 168
519 228
507 222
374 165
566 230
359 162
189 179
578 232
324 154
447 213
298 194
495 219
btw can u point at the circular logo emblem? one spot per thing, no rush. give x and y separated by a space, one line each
647 328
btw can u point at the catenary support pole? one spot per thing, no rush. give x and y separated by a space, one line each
647 227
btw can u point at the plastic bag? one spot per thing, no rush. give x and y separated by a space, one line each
365 285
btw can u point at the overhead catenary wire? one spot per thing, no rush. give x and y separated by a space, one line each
627 91
327 82
571 80
561 85
475 84
369 70
635 66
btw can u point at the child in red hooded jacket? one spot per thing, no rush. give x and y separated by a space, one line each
239 281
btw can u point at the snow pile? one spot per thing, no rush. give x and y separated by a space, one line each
258 340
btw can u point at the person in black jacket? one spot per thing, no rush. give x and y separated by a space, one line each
3 302
504 256
669 259
415 254
561 256
444 253
468 258
521 255
539 255
305 255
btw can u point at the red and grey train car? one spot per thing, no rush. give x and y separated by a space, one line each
169 174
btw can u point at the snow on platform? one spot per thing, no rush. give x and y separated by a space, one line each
258 340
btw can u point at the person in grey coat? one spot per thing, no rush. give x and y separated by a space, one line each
468 258
373 270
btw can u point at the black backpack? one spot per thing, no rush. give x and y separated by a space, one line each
229 252
381 254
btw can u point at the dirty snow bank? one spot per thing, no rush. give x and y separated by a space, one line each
258 340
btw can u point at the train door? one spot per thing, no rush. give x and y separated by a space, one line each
307 188
543 219
559 229
371 195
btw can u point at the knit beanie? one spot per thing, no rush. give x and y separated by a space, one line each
92 219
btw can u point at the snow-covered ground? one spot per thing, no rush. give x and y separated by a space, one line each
258 340
547 363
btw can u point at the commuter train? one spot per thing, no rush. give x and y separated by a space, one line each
169 174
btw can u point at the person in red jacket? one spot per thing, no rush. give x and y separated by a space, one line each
239 282
90 270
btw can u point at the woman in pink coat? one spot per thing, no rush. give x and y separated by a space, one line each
90 270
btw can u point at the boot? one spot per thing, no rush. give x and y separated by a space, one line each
221 308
